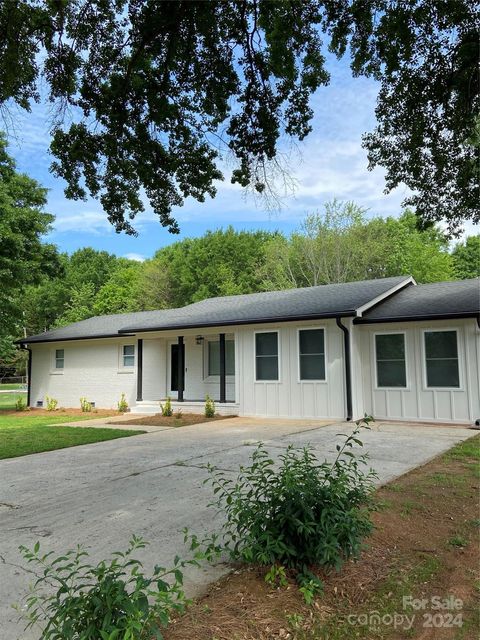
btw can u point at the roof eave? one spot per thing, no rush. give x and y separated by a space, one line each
43 340
248 321
431 316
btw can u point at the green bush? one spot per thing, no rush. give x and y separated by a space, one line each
302 514
52 403
123 404
113 600
85 405
209 407
20 404
166 408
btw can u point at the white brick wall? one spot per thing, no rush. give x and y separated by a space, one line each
93 369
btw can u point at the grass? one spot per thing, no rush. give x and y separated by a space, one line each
12 385
7 400
22 434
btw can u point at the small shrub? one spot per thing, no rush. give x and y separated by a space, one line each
123 404
85 405
52 403
20 404
166 408
113 600
209 407
301 515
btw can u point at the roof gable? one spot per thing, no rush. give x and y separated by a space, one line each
456 299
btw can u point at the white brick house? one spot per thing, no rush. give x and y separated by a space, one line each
387 347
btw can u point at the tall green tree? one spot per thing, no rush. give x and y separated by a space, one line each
24 257
342 245
220 263
161 90
117 295
91 266
466 258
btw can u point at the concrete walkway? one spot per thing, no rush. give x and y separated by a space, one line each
152 485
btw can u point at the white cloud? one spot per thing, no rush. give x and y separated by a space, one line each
137 257
94 222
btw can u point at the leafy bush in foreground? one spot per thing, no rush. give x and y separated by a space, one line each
303 514
113 600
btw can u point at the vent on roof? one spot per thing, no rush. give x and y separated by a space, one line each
39 403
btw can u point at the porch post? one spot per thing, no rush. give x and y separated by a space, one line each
181 369
139 369
223 378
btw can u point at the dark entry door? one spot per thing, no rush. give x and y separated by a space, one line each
174 367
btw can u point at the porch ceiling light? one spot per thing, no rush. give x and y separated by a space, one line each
198 339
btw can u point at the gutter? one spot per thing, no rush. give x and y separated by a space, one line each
348 367
438 316
234 323
101 337
29 372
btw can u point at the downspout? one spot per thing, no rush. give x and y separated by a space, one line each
29 373
348 367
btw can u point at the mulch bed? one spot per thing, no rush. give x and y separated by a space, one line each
184 420
420 513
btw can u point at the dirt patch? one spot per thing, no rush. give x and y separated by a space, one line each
174 421
95 413
425 545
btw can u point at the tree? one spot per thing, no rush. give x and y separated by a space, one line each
320 252
161 91
89 265
80 306
220 263
403 249
24 258
466 258
341 245
117 295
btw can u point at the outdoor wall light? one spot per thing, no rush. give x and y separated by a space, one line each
198 339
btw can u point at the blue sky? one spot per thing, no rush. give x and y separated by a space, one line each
329 163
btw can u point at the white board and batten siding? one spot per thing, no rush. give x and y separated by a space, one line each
416 401
289 396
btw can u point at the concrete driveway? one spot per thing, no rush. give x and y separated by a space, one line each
152 485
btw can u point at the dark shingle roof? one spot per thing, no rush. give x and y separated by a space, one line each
310 302
429 301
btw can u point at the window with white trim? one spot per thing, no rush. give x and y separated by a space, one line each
266 356
390 356
214 357
311 348
59 358
441 359
128 355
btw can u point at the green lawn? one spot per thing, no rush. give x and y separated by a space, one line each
12 385
26 433
7 400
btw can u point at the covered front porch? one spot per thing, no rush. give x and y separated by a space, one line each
187 368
